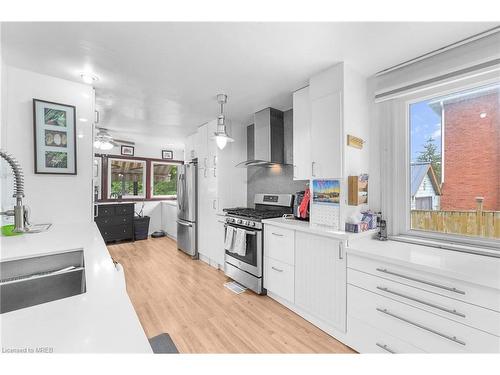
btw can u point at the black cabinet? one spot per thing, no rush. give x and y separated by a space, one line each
115 221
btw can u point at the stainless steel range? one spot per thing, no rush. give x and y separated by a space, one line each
248 269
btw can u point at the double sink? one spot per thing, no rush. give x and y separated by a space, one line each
32 281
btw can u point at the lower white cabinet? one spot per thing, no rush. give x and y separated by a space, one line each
169 218
320 278
279 278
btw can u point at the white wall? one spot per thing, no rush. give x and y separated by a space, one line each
357 123
52 198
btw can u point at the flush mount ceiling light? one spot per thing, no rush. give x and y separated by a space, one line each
104 141
221 137
482 115
88 78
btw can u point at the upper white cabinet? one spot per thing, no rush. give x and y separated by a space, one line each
318 125
301 134
320 278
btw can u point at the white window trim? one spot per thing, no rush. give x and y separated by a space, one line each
141 196
395 189
153 163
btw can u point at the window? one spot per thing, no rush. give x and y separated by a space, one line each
126 178
163 180
454 171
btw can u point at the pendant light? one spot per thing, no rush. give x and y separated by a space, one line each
221 137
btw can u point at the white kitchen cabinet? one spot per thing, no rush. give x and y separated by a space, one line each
279 278
327 136
301 134
320 278
169 218
189 148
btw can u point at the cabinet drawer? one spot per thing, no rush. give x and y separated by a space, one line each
105 210
125 209
114 220
461 312
453 288
279 278
368 339
117 232
427 331
279 244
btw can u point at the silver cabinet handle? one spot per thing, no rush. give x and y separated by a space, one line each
294 167
184 224
205 162
214 201
385 347
277 269
215 175
312 169
96 210
341 256
205 172
451 289
276 234
215 161
448 337
455 312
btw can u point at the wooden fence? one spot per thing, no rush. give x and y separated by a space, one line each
471 223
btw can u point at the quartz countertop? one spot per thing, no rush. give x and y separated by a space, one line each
306 226
101 320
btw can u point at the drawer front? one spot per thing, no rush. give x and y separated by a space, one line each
427 331
461 312
114 220
117 232
279 278
368 339
279 244
125 209
453 288
105 210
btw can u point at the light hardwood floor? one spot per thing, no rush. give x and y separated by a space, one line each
172 293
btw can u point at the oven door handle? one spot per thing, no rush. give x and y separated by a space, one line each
251 233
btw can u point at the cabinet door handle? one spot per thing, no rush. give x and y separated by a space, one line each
448 337
215 175
215 161
277 269
276 234
385 347
294 167
451 289
341 256
454 312
312 169
214 201
205 172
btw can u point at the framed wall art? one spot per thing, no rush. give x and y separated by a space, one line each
167 154
127 150
54 137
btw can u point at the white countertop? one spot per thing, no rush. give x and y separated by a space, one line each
478 269
102 320
172 202
305 226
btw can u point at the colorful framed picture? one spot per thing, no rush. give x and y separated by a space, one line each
167 154
127 150
54 127
326 192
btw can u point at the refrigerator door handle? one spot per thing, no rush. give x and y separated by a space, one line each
184 224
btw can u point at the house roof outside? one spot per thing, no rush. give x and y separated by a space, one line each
418 172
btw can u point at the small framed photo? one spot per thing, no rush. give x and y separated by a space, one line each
127 150
167 154
54 126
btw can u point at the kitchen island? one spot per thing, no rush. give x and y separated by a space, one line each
100 320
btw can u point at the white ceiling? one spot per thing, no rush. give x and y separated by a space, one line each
162 78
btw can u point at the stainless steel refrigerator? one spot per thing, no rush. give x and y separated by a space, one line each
187 238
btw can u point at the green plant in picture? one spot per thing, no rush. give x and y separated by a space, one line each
54 117
56 159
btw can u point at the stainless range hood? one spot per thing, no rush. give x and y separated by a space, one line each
265 140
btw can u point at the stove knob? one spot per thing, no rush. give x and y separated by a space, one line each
239 221
252 224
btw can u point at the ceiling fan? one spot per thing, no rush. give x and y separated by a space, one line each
104 141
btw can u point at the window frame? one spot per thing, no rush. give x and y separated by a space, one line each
401 207
105 181
151 182
124 197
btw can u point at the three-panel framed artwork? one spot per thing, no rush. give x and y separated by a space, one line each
54 137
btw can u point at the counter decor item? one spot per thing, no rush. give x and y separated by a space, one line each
325 203
141 227
361 222
355 142
54 137
358 190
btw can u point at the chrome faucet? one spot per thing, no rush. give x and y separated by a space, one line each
19 212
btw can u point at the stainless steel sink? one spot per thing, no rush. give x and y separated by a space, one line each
36 280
